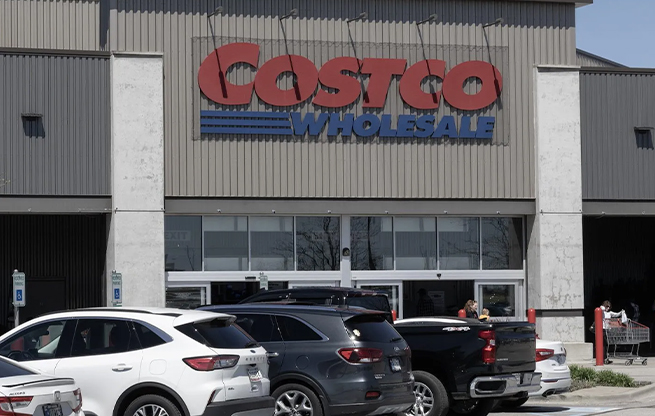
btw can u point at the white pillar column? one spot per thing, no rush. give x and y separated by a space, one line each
136 230
555 266
346 275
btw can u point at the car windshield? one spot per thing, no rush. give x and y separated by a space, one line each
376 303
9 369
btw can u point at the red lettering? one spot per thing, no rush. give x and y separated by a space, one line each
410 84
380 71
305 85
330 76
216 65
453 85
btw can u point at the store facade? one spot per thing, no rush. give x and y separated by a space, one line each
367 144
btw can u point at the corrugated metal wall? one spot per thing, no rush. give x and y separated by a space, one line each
587 60
67 151
540 33
68 249
54 24
616 164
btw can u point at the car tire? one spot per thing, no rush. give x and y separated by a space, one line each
153 401
513 404
473 407
295 395
425 386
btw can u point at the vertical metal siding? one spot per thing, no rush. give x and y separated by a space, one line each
585 60
53 24
615 166
67 152
70 248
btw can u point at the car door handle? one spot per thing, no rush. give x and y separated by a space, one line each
122 367
272 354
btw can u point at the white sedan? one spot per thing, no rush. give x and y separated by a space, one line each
555 374
24 391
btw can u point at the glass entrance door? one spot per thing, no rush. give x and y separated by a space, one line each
392 290
502 298
187 296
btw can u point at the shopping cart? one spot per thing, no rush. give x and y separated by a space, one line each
629 334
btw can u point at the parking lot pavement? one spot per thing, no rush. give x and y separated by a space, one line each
553 410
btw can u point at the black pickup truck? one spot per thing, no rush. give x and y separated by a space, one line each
461 366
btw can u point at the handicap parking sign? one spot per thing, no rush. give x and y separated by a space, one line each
117 294
19 295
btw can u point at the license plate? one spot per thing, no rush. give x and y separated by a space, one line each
527 378
395 365
52 410
255 375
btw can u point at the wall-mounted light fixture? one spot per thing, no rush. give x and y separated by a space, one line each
429 19
292 12
345 252
362 16
218 10
494 23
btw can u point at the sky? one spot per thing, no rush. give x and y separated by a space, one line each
619 30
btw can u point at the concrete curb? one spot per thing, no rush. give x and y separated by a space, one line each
625 395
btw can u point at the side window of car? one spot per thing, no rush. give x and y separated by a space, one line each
146 336
37 342
259 326
294 330
102 336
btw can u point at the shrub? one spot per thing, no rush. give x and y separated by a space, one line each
584 377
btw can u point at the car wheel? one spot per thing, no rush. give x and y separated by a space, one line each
152 405
472 407
431 396
513 404
296 400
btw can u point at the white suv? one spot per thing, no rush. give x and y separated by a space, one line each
149 361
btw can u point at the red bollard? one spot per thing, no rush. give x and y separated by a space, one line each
598 323
532 316
393 315
461 313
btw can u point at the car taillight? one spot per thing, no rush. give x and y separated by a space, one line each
408 352
10 406
361 355
489 350
544 354
78 400
212 363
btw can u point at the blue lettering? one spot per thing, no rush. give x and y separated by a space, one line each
406 125
315 127
361 128
485 128
446 127
424 126
465 129
345 125
385 127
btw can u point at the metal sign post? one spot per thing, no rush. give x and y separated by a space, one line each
19 294
117 288
263 282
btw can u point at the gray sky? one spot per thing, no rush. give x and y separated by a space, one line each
619 30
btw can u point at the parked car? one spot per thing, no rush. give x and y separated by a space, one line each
555 373
330 360
25 391
149 361
320 295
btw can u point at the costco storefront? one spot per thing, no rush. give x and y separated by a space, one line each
397 145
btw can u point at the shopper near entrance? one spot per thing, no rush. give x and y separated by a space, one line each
606 307
471 309
425 305
485 315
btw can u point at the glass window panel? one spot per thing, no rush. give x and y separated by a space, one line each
318 243
416 243
371 240
499 299
186 297
459 243
271 240
183 243
502 243
226 243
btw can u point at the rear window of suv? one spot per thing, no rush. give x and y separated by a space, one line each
371 328
218 333
375 303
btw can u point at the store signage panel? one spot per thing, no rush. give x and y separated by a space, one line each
342 76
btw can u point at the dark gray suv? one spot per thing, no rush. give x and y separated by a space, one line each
329 360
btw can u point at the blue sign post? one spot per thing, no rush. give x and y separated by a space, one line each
117 288
19 293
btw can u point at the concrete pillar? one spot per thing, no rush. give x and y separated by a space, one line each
136 227
555 267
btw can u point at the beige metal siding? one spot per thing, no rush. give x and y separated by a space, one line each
585 59
54 24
